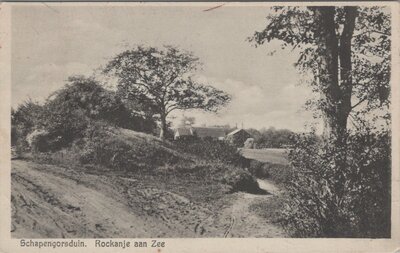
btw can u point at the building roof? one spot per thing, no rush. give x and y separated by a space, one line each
214 132
235 131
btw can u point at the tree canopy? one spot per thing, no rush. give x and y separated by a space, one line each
345 50
162 80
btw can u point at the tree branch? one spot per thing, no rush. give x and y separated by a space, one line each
359 102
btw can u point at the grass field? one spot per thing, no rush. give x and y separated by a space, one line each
271 155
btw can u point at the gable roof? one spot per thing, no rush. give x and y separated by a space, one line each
236 131
214 132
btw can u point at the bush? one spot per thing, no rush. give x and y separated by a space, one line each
256 168
212 150
69 111
38 140
102 146
24 120
272 138
240 180
279 173
347 199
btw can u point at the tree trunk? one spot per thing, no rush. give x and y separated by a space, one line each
346 82
328 64
163 126
334 60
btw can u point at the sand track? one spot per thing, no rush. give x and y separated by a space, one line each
54 202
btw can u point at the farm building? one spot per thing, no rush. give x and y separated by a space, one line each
215 133
238 137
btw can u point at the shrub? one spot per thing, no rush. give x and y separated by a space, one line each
69 111
279 173
102 146
212 150
38 140
272 138
352 200
256 168
23 121
240 180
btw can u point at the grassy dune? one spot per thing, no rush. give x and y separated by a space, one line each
188 196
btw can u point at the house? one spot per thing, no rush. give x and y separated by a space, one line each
238 137
215 133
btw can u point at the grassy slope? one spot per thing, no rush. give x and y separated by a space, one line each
186 199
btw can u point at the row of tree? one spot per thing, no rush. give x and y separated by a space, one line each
271 137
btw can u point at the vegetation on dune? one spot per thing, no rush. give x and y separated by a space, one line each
340 184
68 113
84 124
349 201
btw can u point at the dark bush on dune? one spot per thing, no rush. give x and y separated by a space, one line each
24 120
212 150
105 146
69 111
240 180
227 161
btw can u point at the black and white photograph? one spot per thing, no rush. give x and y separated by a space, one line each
201 120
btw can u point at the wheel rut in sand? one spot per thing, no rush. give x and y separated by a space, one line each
246 223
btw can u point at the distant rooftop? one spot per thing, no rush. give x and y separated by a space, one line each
202 132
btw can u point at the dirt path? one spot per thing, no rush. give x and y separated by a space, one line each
45 205
246 223
55 202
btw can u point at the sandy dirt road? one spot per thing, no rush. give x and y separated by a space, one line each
244 222
54 202
46 205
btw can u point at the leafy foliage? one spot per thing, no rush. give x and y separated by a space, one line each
69 111
161 80
324 200
271 137
212 150
279 173
101 146
369 73
23 121
240 180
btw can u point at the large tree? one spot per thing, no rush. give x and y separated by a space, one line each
162 80
340 186
346 51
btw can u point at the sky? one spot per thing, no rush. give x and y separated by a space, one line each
52 42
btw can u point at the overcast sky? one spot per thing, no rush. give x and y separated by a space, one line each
50 43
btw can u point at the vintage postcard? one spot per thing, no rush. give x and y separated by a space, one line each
199 127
